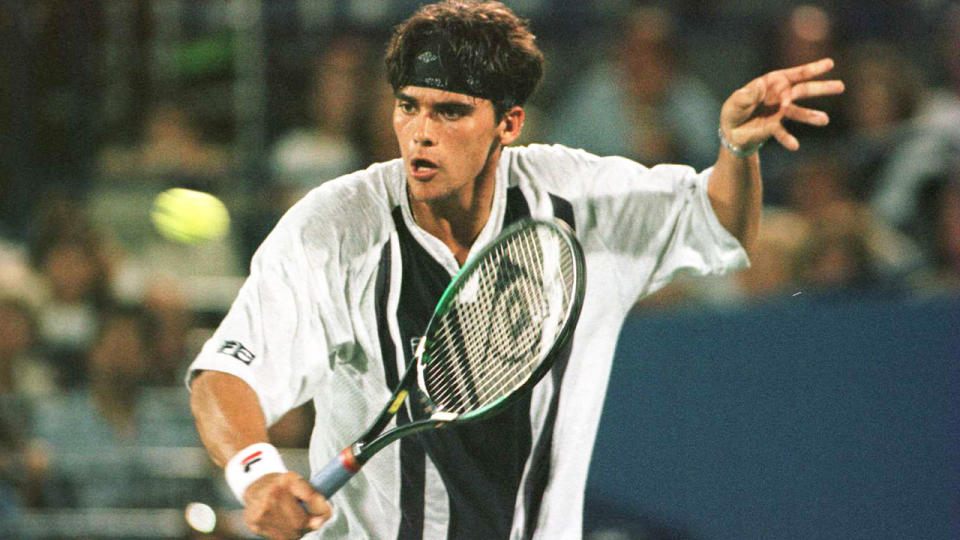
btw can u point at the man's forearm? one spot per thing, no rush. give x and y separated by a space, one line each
736 193
227 413
748 118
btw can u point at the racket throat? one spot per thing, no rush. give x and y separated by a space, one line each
443 417
421 347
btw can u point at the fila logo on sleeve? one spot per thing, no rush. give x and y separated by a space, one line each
238 351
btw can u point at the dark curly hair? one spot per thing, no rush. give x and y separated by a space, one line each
492 47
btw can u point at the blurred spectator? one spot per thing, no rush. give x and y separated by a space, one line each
815 183
379 140
24 464
18 278
169 321
99 418
23 377
820 193
884 89
62 216
22 372
102 430
926 148
171 150
775 259
805 34
835 257
948 46
118 364
840 255
306 156
75 270
940 211
640 102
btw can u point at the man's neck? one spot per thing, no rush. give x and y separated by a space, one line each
458 220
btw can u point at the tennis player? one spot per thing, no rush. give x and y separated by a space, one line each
350 275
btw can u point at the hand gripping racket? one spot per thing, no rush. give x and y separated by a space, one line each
494 333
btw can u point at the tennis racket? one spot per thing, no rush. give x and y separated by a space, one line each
495 332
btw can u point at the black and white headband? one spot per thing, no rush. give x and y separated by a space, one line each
437 66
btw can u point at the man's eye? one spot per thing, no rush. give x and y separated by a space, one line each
451 115
407 108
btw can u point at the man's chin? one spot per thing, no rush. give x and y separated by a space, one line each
425 191
422 196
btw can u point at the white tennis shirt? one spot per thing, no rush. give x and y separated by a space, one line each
336 288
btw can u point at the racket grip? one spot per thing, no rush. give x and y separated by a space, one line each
335 474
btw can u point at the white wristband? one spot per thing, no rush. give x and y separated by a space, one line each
250 464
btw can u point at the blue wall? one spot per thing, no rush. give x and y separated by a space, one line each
806 419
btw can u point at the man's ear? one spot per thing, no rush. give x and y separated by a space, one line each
511 125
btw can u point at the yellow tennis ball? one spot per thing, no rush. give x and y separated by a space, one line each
188 216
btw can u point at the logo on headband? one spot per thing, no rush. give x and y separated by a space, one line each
427 56
437 66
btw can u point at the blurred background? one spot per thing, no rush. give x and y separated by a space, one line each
813 396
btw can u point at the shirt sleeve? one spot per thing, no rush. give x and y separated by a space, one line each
269 337
660 223
653 223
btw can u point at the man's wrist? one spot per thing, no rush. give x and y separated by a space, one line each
739 151
250 464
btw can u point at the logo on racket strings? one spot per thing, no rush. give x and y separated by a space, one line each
522 309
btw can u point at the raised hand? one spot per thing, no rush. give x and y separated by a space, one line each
754 113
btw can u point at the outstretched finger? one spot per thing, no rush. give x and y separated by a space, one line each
808 71
785 139
812 89
807 116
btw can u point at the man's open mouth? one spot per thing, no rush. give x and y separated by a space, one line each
423 164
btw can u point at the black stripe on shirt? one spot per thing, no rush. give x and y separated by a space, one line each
481 463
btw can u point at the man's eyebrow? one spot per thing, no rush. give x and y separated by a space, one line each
405 97
452 105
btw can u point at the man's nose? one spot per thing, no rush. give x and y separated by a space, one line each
424 130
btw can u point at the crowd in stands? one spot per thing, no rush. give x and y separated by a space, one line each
99 315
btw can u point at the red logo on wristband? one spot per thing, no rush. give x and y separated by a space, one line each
250 460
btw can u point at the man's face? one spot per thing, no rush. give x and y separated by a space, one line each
446 139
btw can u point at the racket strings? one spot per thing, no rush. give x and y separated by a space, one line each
472 383
539 331
517 339
502 323
492 379
455 387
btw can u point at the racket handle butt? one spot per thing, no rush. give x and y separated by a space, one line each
335 474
